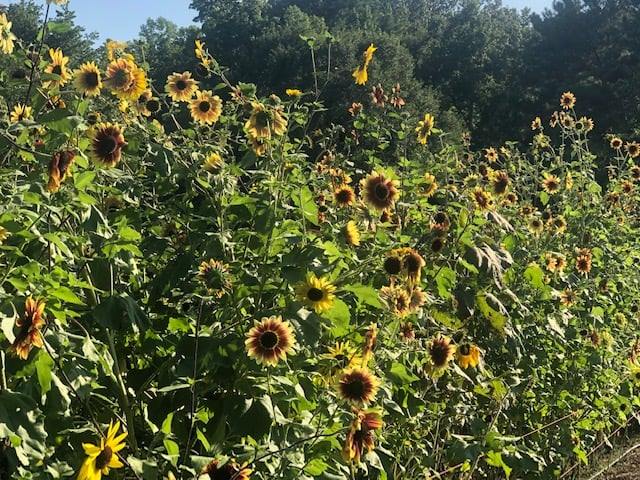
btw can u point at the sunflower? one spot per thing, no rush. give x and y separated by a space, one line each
259 146
440 222
340 356
227 471
397 300
358 386
393 263
88 79
418 298
270 340
468 355
626 186
491 154
264 122
29 325
213 163
352 234
181 87
583 261
633 149
20 113
559 224
203 55
500 182
371 338
510 199
104 457
293 92
317 293
59 168
568 297
482 199
437 244
616 143
425 127
57 66
550 183
635 172
125 79
361 435
7 38
378 192
413 264
214 274
567 100
106 144
430 185
206 107
344 195
142 103
536 124
360 74
536 226
355 109
4 234
441 351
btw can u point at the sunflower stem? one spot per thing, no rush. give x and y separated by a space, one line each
3 378
36 61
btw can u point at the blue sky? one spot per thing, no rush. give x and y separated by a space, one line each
121 19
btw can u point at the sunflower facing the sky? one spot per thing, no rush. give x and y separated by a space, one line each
206 107
226 471
106 144
88 79
317 293
100 459
270 340
29 325
57 66
425 127
358 386
181 87
378 191
361 73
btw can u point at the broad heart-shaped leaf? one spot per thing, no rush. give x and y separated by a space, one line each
20 422
340 318
498 320
44 364
495 460
400 375
445 280
365 294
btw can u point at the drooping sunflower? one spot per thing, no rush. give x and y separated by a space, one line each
214 274
30 326
270 340
20 112
413 263
468 355
227 471
567 100
441 351
57 66
550 183
213 162
106 144
206 107
263 122
126 79
181 87
358 386
633 149
482 199
59 168
317 293
7 38
425 127
361 437
351 233
430 186
344 195
361 74
583 261
378 191
88 79
100 459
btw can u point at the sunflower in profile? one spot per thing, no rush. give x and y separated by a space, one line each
29 325
100 459
88 79
500 182
7 38
181 87
59 168
567 100
482 199
361 74
57 66
227 471
317 293
126 79
430 185
361 436
378 191
441 352
344 195
214 274
20 113
213 163
270 340
352 234
358 386
425 127
371 338
550 183
293 92
106 144
583 261
205 107
263 122
635 172
468 355
633 149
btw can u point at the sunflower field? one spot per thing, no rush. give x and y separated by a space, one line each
199 281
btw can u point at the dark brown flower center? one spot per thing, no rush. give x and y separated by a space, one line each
57 69
181 85
354 388
120 78
392 265
269 340
153 105
90 79
107 145
204 106
439 354
381 191
315 294
104 458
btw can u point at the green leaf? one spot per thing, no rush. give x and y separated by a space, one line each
340 317
445 281
401 375
498 320
65 294
316 467
365 294
44 365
